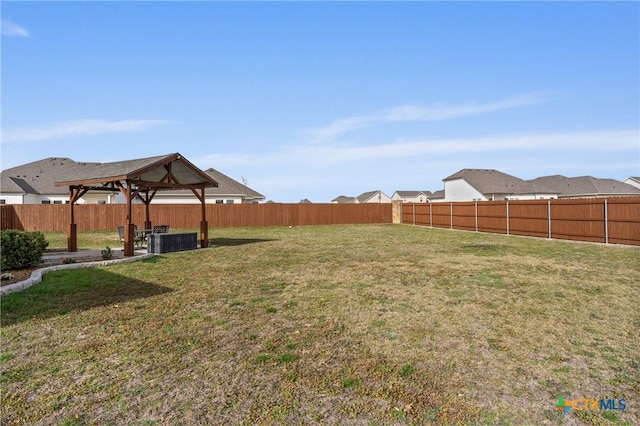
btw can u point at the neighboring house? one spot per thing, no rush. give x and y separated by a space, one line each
633 180
343 199
586 186
229 191
411 196
489 185
33 183
367 197
437 196
373 197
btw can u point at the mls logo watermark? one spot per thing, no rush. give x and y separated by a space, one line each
590 404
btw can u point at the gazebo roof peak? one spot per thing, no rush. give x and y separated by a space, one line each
169 171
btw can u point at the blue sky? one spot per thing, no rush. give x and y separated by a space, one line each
320 99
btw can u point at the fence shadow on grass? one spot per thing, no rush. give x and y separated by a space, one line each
63 292
226 242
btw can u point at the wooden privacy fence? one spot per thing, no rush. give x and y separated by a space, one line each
100 217
602 220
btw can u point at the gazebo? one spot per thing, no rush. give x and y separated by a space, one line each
140 178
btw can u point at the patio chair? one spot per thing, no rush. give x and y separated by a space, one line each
161 229
138 237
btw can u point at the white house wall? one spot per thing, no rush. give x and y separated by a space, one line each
40 198
460 190
193 200
418 199
12 198
101 198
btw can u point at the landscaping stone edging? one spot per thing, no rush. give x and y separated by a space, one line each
36 276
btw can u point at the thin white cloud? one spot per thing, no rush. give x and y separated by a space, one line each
77 128
328 154
12 29
408 113
321 172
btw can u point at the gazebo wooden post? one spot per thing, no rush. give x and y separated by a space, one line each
72 234
204 226
129 229
147 222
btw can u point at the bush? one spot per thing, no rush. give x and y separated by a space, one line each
107 254
20 249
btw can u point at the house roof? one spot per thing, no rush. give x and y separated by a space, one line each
159 172
226 186
39 176
364 197
585 186
412 193
488 181
409 194
344 199
436 195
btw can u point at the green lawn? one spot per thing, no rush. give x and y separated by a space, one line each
367 324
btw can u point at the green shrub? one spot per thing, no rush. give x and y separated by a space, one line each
107 254
19 249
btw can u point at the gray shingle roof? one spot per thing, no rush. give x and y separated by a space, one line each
585 186
113 169
488 181
39 176
226 186
436 195
150 169
366 196
409 194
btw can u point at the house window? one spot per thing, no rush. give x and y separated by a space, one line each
3 201
46 202
229 201
102 202
57 202
219 201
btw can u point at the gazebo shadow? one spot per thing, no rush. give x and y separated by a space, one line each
61 292
226 242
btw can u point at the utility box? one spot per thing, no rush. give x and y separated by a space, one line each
174 241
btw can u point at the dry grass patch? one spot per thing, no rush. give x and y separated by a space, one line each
370 324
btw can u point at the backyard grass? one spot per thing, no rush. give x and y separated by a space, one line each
367 324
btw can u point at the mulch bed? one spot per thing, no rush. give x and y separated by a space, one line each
23 274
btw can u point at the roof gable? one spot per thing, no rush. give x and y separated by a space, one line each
160 172
366 196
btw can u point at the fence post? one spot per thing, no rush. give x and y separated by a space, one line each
414 213
430 215
606 222
451 215
549 216
476 211
507 217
